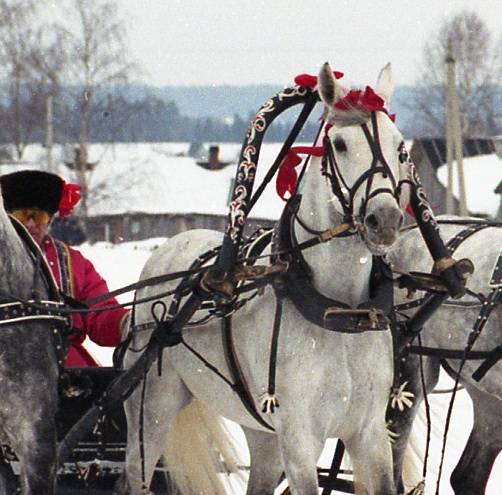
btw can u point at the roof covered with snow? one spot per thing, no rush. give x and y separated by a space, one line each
482 175
161 178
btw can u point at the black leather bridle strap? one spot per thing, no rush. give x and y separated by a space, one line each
240 386
379 165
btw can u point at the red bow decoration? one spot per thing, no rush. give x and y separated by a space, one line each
287 176
368 100
70 196
311 81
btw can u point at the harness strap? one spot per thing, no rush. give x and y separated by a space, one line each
240 386
330 314
452 244
268 401
15 312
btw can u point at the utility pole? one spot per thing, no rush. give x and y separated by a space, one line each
453 138
49 132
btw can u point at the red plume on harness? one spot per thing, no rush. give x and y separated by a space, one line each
368 100
70 196
310 81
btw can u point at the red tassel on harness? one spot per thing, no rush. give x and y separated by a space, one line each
287 177
368 100
311 81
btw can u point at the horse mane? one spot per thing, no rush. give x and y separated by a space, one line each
347 117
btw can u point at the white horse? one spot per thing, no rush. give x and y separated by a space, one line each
328 383
449 329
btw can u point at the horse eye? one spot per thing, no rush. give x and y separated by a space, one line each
340 145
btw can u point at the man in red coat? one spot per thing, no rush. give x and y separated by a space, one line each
34 197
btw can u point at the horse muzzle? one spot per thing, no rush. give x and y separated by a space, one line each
382 226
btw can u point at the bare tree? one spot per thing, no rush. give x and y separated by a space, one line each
478 73
97 56
22 101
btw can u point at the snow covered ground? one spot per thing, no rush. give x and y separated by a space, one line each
121 264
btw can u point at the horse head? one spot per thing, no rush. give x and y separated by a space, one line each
362 157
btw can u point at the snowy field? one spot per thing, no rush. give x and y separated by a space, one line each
121 264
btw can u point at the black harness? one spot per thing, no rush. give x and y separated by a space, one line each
296 284
488 304
14 310
330 314
346 194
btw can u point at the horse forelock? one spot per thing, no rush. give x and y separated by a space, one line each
349 117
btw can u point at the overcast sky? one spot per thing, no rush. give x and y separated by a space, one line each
190 42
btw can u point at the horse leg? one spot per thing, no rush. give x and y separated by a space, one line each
483 446
266 467
37 457
8 480
148 424
371 455
300 449
401 422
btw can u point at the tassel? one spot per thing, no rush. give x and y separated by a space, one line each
393 436
400 398
268 403
419 489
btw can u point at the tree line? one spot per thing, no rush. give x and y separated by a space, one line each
115 116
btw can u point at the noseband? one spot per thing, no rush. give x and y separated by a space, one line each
344 193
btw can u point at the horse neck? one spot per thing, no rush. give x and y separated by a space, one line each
341 267
16 268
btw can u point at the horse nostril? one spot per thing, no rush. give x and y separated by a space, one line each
371 221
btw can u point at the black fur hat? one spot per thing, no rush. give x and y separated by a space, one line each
32 189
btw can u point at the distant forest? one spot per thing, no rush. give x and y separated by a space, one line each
188 114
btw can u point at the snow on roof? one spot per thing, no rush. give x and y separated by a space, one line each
482 175
159 178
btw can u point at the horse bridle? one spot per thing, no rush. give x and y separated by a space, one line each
346 194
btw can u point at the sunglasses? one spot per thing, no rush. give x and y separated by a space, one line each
24 215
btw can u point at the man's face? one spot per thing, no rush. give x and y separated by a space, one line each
35 220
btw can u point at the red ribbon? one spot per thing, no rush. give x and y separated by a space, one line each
311 81
287 176
70 196
368 100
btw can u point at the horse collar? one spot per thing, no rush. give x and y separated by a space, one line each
330 314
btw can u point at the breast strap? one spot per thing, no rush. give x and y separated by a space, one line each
330 314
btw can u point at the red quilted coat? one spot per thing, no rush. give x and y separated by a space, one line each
76 276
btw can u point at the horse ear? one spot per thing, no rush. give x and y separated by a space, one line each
385 83
330 90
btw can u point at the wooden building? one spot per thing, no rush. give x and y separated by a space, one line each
430 154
